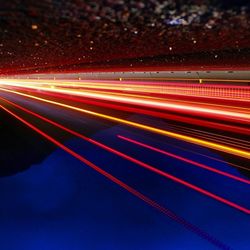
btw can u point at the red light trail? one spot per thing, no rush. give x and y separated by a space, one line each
131 190
182 118
149 167
197 164
190 139
220 92
215 111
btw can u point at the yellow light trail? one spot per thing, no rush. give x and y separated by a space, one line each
123 88
200 142
208 91
239 115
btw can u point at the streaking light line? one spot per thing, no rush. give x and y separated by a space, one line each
135 110
225 138
216 137
142 164
122 98
197 164
53 87
207 156
114 89
181 118
208 144
224 92
129 140
131 190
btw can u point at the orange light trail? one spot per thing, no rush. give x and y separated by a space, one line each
207 90
215 125
222 112
208 144
130 140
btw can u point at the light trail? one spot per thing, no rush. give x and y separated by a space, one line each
131 190
149 102
221 92
188 120
209 134
144 165
234 129
52 86
197 164
207 156
191 79
208 144
215 137
97 94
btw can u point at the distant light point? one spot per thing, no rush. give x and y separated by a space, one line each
34 27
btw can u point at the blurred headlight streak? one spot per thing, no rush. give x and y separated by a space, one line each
190 139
